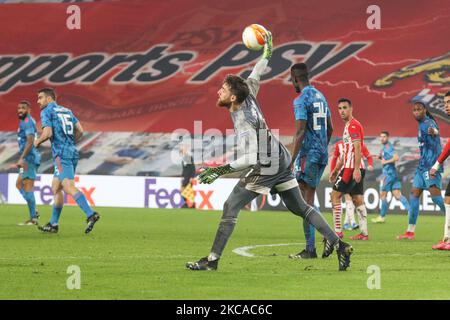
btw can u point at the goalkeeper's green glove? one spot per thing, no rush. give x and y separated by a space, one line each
267 54
211 174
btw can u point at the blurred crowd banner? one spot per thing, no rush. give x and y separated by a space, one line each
164 193
156 66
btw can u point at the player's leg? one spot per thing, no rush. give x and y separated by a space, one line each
413 212
447 218
58 204
67 176
294 201
397 194
238 198
383 209
358 200
19 184
309 231
343 185
349 221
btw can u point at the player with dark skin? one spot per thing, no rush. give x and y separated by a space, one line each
419 112
300 128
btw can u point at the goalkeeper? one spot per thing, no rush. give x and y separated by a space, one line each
265 164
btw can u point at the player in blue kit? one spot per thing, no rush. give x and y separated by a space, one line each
29 160
430 149
389 181
310 151
63 129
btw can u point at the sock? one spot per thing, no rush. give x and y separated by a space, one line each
22 192
80 199
411 228
362 214
439 201
384 207
348 207
404 202
31 201
337 214
212 256
447 221
55 215
413 212
351 212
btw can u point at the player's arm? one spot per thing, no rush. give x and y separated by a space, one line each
260 66
47 133
433 129
248 157
393 160
336 164
78 131
357 171
443 156
368 156
26 150
300 129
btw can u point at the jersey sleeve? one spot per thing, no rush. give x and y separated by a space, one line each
46 118
300 111
253 86
355 132
445 153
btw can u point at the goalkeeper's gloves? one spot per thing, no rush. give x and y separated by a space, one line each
211 174
267 54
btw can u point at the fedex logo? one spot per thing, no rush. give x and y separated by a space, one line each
162 197
44 192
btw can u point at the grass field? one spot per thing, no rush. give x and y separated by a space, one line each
141 253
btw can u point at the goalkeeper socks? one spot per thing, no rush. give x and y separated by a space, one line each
413 212
404 202
31 201
55 215
337 215
438 200
384 207
80 199
362 213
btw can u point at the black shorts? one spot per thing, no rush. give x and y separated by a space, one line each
447 191
351 187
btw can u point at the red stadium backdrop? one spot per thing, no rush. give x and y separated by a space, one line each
155 66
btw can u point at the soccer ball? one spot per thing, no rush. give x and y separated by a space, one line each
253 36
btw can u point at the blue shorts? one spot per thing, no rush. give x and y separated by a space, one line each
423 181
29 170
65 168
309 172
389 183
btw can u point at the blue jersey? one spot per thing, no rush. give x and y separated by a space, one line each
312 106
388 153
27 127
430 147
62 121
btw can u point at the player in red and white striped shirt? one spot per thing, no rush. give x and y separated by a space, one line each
348 175
445 243
349 220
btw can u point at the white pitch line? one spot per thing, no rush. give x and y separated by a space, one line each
243 251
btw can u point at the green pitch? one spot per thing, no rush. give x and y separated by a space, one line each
141 254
